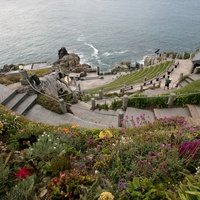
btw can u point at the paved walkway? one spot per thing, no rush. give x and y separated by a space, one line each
185 67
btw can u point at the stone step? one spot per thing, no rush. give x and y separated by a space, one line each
194 77
84 105
16 100
188 80
6 94
171 112
97 116
106 112
103 101
136 116
194 111
192 121
40 114
183 83
23 108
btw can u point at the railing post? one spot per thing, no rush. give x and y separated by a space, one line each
125 102
79 87
75 99
123 91
159 84
154 86
98 70
74 81
100 94
181 77
23 77
120 118
93 104
63 105
171 99
141 88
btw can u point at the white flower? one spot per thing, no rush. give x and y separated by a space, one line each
54 147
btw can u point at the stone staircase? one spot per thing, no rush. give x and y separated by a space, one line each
189 79
134 115
20 103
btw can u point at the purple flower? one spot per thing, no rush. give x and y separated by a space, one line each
122 184
190 149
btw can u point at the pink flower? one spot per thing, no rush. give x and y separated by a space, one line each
62 175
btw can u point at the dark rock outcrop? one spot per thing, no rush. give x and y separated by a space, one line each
62 52
70 63
7 68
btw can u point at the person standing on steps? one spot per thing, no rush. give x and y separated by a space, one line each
167 82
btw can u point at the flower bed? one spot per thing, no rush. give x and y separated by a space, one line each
148 161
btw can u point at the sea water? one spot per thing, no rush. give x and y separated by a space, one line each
101 32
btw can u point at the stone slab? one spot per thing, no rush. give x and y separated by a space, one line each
6 93
26 105
18 98
135 115
171 112
40 114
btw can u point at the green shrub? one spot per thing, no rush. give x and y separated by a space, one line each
187 99
143 188
23 190
102 106
148 102
4 177
47 146
188 189
186 55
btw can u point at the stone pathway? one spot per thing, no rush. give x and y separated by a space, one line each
40 114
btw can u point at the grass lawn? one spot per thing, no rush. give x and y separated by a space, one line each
135 77
190 88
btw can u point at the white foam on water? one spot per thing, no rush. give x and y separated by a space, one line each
95 50
115 53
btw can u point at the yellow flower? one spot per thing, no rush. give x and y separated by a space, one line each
105 134
1 127
74 126
106 196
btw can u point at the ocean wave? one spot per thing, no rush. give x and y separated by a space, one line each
95 50
115 53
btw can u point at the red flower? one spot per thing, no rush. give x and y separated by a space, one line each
23 173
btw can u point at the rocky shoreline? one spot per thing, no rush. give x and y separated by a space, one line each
70 62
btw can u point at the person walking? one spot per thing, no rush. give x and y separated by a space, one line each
167 82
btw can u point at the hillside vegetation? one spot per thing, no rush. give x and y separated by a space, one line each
148 161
